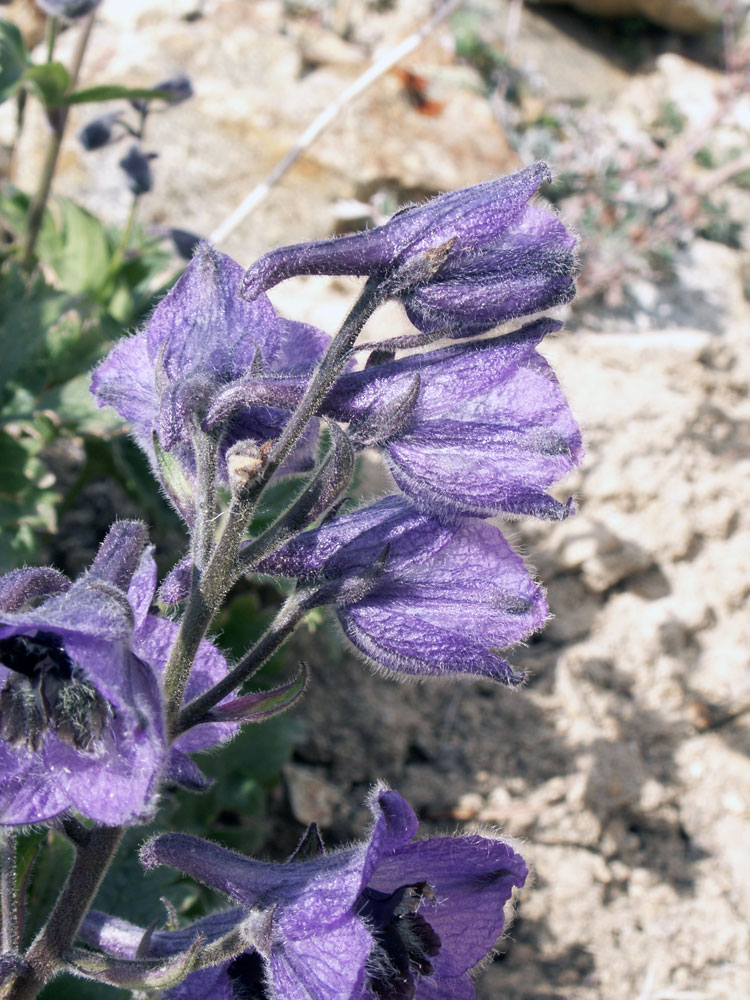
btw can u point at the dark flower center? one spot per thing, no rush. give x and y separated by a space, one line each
48 691
246 976
407 942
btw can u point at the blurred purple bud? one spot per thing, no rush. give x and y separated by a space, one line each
69 9
98 132
184 242
137 169
175 90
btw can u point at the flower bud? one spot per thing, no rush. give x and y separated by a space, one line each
137 169
71 10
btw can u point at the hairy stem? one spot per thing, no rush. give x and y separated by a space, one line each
221 569
58 118
45 956
285 623
373 295
9 924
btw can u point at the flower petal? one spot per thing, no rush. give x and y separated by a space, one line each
490 431
472 878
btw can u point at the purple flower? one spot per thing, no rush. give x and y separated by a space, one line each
487 431
503 257
201 338
81 715
387 919
416 595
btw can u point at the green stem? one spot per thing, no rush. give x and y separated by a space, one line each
285 623
221 570
8 893
326 374
119 255
45 956
51 37
58 120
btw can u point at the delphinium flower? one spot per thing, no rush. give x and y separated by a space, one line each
417 595
388 919
480 428
81 716
499 255
201 338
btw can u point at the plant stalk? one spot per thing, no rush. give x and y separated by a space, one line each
289 617
58 119
221 569
9 923
45 956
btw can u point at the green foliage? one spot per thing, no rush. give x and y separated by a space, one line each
14 59
113 92
51 335
49 81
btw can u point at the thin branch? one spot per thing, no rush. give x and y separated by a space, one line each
58 118
9 928
326 117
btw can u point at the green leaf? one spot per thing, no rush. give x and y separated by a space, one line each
14 208
13 59
114 92
82 257
50 81
27 311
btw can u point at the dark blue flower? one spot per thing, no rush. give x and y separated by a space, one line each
463 263
202 338
388 919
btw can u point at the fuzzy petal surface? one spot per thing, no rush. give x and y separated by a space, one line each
448 597
504 257
202 337
490 431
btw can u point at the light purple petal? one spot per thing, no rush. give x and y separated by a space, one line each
122 939
125 380
328 966
449 597
205 984
26 792
395 823
472 878
182 770
450 614
114 786
175 586
441 988
119 554
311 896
471 217
142 587
152 643
491 428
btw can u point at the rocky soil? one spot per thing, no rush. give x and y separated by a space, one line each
622 767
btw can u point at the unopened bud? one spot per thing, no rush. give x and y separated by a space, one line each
137 169
69 9
97 133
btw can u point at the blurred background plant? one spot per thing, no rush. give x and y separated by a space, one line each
69 285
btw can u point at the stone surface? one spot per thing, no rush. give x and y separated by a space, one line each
692 16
